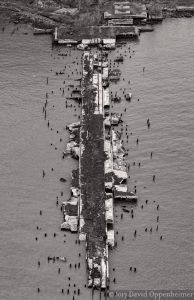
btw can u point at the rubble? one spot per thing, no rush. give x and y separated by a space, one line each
71 223
114 75
115 118
102 175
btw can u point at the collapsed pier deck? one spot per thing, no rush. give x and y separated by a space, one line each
92 158
102 175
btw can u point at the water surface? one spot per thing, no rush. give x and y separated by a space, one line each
165 92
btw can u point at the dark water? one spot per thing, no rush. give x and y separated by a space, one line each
165 92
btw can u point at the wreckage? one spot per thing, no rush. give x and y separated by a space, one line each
101 178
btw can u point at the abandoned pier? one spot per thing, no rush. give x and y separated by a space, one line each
101 178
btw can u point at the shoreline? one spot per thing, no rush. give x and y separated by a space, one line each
47 18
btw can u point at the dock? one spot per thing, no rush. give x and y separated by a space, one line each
101 177
97 35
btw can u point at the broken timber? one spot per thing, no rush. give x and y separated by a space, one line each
102 174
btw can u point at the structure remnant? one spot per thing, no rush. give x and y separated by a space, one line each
102 36
102 175
132 13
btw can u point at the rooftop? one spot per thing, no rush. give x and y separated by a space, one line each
125 10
